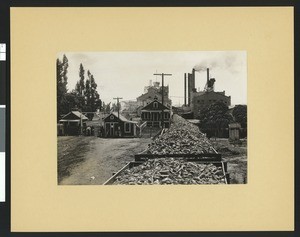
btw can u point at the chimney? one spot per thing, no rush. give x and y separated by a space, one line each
207 75
189 88
184 89
193 79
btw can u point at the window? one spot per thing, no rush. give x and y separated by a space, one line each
166 115
155 105
112 117
127 127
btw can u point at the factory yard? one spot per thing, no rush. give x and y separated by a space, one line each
236 158
87 160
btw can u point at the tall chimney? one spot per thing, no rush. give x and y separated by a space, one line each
189 88
184 89
207 75
193 79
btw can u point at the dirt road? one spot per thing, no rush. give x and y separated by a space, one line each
92 160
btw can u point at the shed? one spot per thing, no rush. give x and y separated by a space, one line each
118 126
234 131
73 122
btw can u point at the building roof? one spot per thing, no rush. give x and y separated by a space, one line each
160 106
73 116
234 125
121 117
204 93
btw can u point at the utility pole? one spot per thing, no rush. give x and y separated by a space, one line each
162 92
118 98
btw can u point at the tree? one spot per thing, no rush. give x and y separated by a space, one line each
116 107
95 97
214 119
240 115
107 109
81 86
84 97
87 93
92 97
61 84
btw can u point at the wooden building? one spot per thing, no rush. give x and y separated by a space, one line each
152 114
72 123
119 126
234 131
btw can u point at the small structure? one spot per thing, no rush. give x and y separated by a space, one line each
152 114
119 126
234 131
73 122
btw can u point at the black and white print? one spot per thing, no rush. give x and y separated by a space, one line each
152 118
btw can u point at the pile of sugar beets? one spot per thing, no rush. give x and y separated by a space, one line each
181 137
171 171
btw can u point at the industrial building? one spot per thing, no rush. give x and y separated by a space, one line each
197 100
152 91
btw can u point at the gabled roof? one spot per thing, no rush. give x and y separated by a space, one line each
74 115
121 117
151 106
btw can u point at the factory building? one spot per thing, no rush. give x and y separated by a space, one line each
197 100
202 99
154 91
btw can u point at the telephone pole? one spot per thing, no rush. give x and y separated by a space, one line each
162 92
118 98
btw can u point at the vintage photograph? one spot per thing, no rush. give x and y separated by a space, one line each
151 118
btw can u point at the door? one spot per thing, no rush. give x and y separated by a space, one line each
111 130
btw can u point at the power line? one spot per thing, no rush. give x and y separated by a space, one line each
118 105
162 90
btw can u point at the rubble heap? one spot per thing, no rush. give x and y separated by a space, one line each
171 171
181 138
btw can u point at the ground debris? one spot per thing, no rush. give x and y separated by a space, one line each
171 171
181 138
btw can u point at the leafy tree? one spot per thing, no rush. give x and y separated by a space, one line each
84 97
107 109
240 115
214 118
87 92
95 97
80 88
61 84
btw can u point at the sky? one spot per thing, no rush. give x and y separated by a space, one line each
125 74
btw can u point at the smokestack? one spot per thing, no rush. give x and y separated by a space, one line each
189 88
184 89
207 75
193 79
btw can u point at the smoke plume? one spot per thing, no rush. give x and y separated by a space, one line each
227 62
